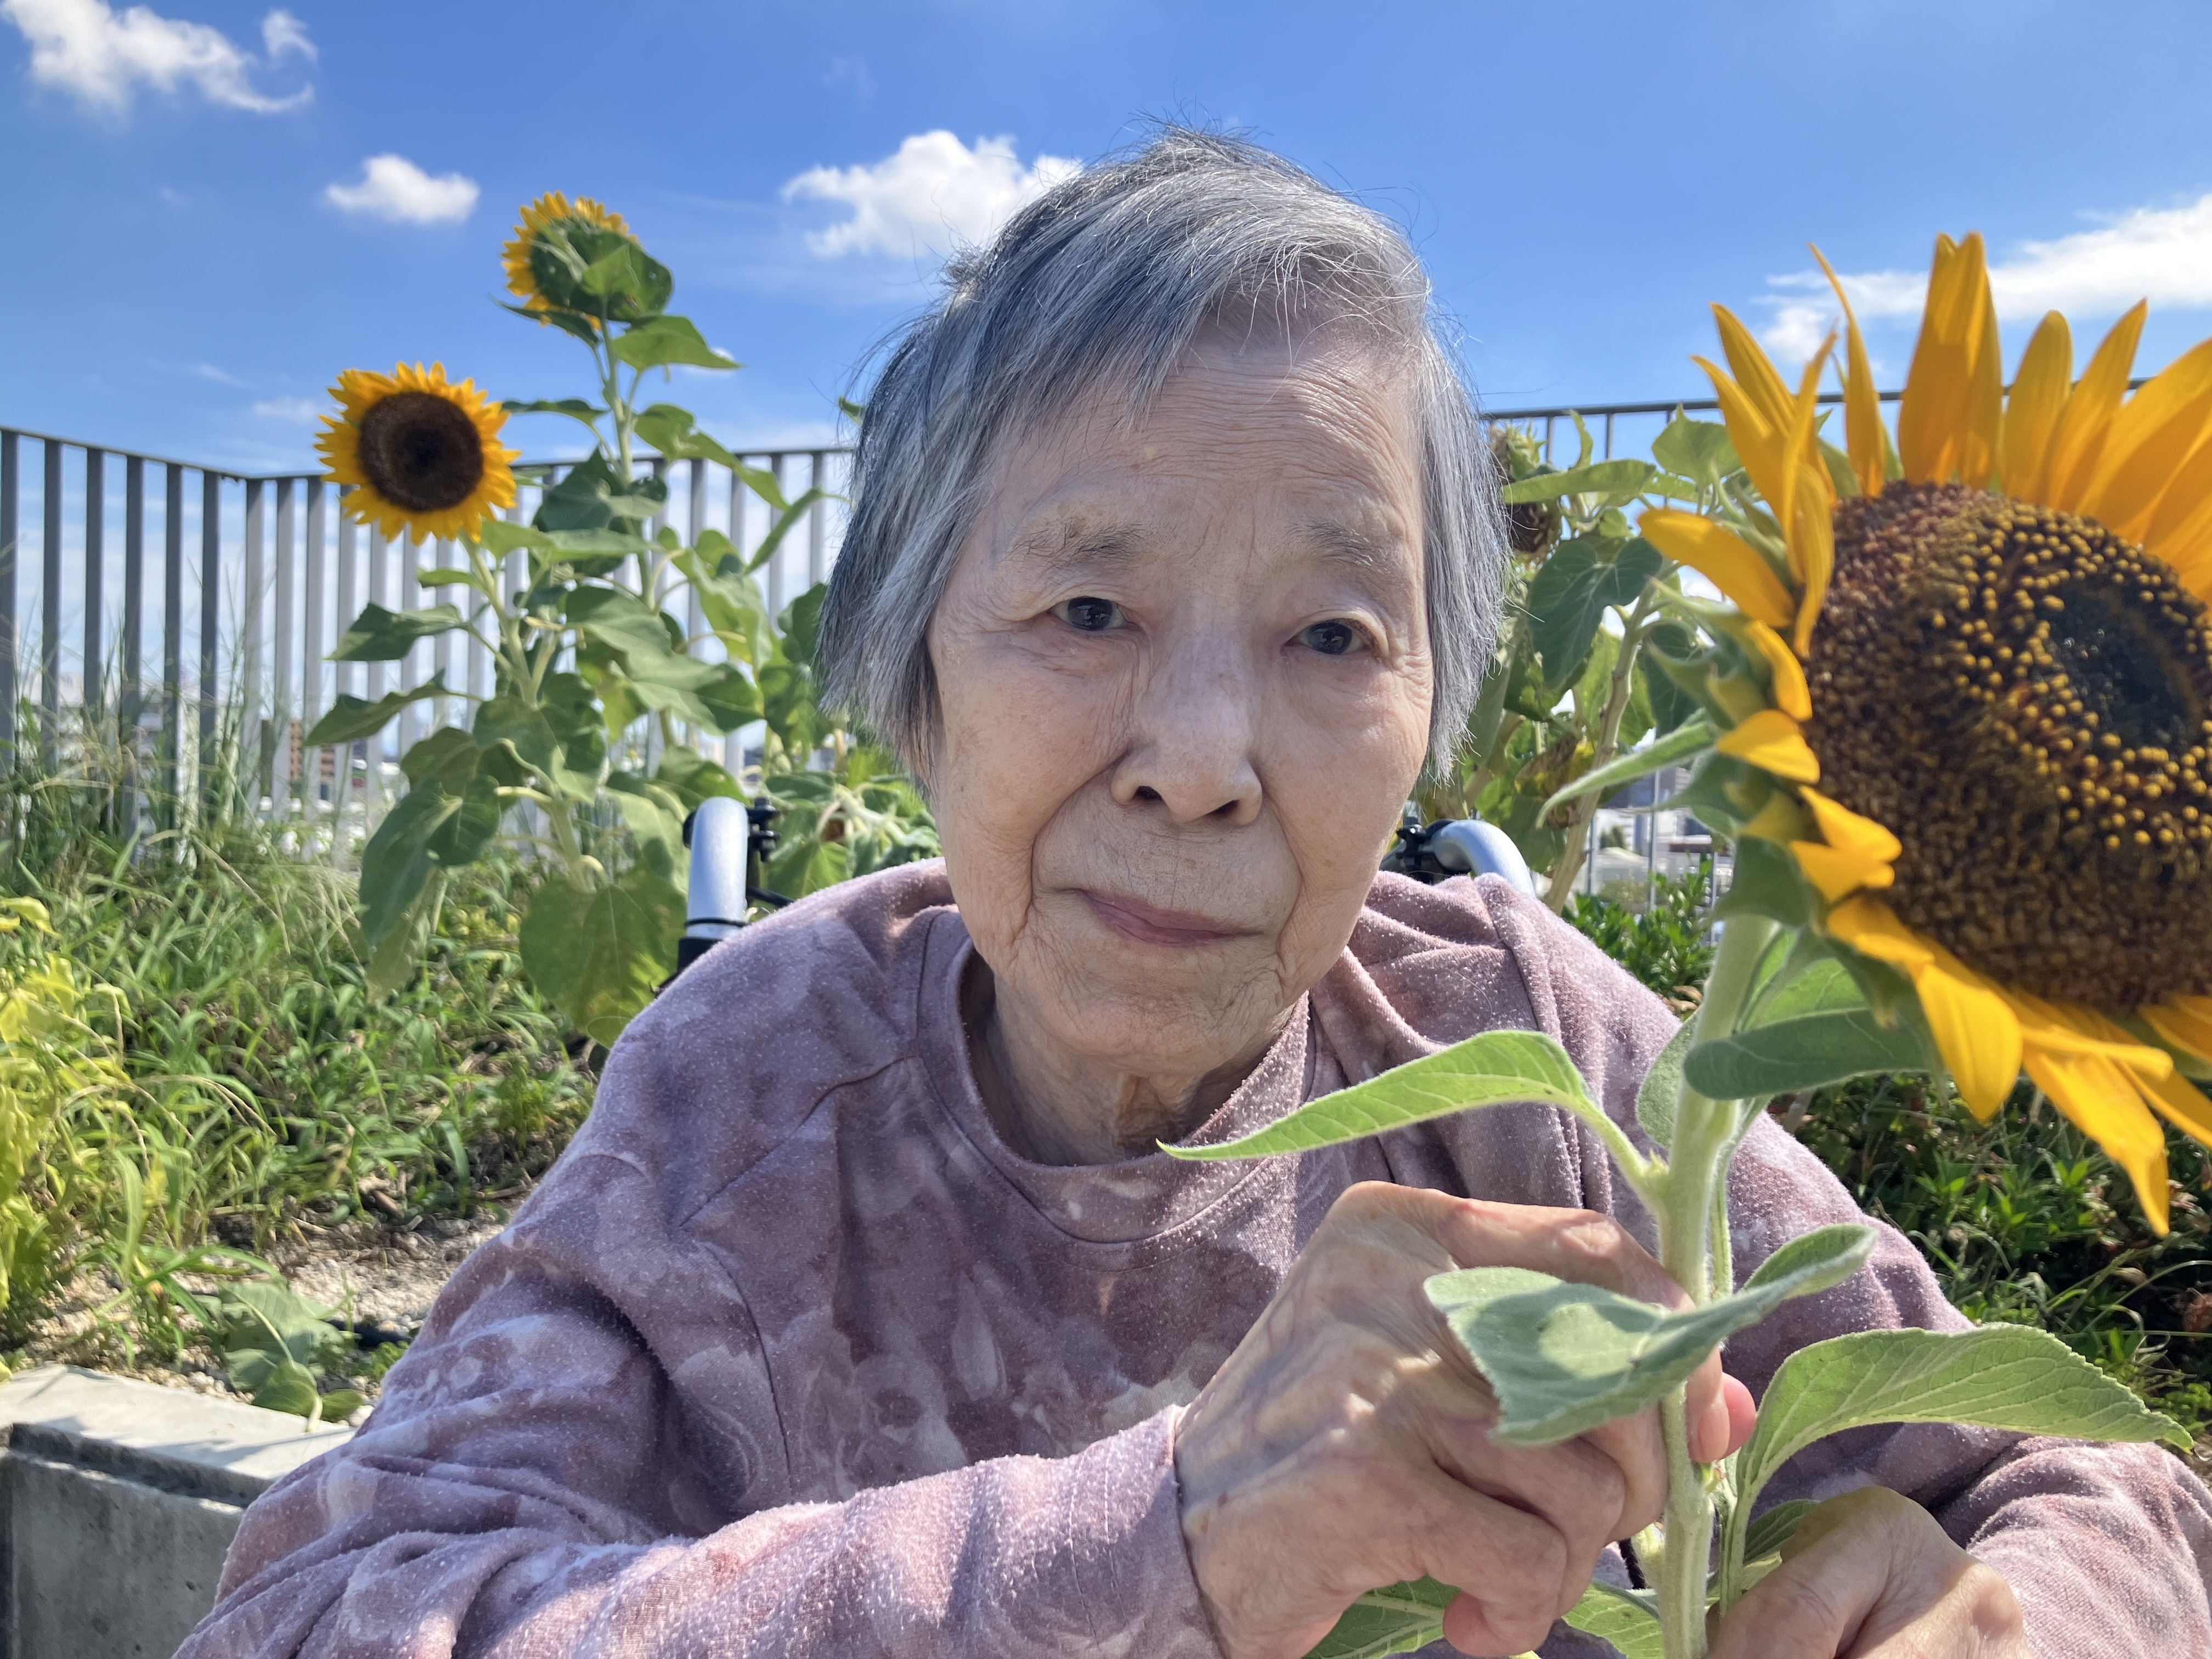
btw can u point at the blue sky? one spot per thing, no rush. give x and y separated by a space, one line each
198 240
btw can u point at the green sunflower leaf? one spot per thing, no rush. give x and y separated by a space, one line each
601 954
1697 450
381 636
675 432
1562 1358
1676 746
1622 478
2000 1377
1396 1619
668 340
1492 1069
1805 1053
1767 883
1772 1529
1671 706
1627 1619
352 717
1569 595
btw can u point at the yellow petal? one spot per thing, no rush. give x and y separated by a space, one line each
1772 741
2078 440
1753 371
2187 549
2039 392
2177 522
1841 827
1864 435
1836 872
2101 1101
1723 558
2069 1028
1758 443
2184 1021
1976 1032
1871 928
1785 673
1813 553
2182 1103
1947 426
1977 459
2152 433
1805 481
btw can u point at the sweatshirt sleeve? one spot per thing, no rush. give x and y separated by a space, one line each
566 1462
2107 1548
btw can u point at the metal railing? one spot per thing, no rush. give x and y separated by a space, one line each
258 576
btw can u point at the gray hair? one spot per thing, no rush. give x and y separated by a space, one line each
1104 280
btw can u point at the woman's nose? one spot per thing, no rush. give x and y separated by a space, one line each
1194 723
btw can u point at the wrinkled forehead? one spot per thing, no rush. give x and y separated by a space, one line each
1319 423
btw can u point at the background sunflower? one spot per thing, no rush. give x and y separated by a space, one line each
422 455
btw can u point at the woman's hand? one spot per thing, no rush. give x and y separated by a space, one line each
1344 1445
1871 1576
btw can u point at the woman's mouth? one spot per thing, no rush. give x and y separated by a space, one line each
1148 923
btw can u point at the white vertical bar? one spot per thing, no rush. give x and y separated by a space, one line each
817 524
307 763
345 678
775 564
283 639
408 671
253 774
379 559
471 603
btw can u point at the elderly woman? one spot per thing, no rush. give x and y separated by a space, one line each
864 1318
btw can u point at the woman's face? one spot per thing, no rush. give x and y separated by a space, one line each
1184 674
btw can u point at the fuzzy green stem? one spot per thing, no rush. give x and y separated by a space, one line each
1693 1244
1689 1539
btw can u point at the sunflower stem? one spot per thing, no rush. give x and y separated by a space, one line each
1606 746
1694 1248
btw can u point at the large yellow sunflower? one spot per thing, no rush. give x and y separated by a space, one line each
550 210
1989 647
423 455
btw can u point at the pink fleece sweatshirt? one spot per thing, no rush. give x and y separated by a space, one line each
790 1355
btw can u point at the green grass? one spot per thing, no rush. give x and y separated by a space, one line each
261 1086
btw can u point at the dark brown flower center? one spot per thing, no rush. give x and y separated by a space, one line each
2021 697
420 452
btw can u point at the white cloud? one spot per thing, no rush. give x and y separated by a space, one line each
297 411
84 47
392 187
2160 254
932 195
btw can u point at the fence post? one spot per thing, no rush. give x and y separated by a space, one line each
286 553
50 605
11 490
172 635
131 674
342 682
309 761
252 730
211 617
817 521
95 584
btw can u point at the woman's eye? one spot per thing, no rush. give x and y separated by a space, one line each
1092 615
1332 638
